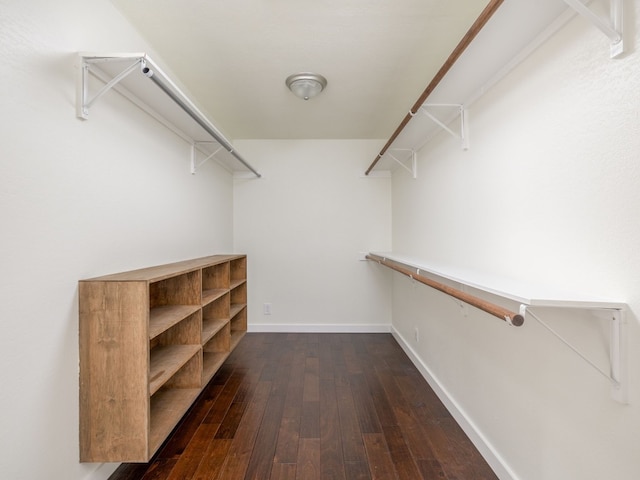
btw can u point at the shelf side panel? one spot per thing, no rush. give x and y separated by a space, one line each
114 407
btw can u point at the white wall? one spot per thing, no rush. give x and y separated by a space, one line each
78 199
303 225
548 194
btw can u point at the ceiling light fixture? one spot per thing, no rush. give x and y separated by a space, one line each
306 85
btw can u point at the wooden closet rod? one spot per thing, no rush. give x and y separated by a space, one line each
502 313
480 22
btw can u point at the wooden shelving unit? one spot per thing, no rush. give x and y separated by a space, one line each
150 341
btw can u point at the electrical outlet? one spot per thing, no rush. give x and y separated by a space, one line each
266 308
416 335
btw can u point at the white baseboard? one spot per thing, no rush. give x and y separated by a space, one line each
487 450
318 328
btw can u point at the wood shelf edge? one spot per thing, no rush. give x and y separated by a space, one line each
166 361
236 308
212 294
163 318
215 327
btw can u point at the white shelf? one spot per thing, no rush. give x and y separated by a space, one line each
518 291
530 298
139 79
516 29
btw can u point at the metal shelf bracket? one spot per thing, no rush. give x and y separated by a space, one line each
617 349
463 121
194 155
611 27
413 159
84 103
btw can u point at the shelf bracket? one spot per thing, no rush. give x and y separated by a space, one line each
413 158
194 153
83 103
463 121
611 27
617 350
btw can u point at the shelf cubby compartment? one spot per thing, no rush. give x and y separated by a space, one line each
238 297
168 367
175 355
215 282
163 318
215 352
238 326
238 271
215 316
168 406
178 290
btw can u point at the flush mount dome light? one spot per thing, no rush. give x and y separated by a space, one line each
306 85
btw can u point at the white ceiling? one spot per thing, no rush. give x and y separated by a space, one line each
233 56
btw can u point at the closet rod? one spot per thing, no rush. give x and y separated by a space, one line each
502 313
480 22
214 133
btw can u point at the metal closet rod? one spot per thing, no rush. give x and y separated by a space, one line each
502 313
480 22
216 135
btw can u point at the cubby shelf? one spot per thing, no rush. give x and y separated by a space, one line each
167 408
163 318
150 341
212 294
211 327
235 309
166 361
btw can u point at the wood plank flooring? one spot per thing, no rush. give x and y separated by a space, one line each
298 406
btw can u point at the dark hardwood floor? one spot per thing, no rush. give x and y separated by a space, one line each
316 406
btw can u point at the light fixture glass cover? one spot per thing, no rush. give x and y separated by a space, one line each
306 85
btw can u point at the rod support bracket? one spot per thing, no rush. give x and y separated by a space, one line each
618 356
612 27
83 102
462 111
194 153
412 158
617 374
